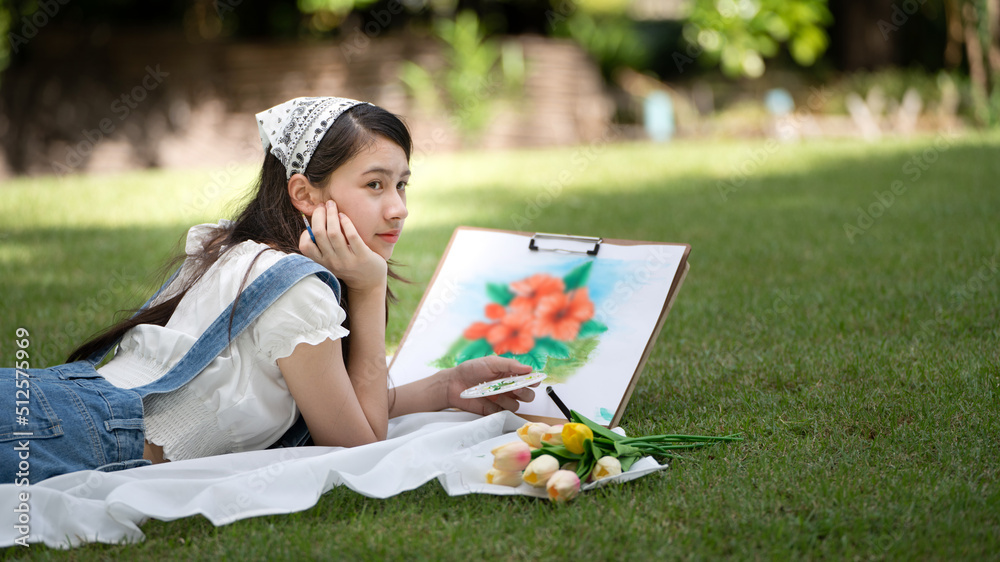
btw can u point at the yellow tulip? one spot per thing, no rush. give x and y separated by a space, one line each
563 486
539 470
512 457
574 435
503 477
606 466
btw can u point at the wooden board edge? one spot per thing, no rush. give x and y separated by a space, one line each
678 281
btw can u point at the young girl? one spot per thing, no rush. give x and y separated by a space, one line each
344 165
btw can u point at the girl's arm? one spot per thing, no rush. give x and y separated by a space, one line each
344 404
442 390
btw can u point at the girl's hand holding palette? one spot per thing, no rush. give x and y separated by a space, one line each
499 386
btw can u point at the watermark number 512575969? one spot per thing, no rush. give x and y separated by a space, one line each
22 447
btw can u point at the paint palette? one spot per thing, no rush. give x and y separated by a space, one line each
499 386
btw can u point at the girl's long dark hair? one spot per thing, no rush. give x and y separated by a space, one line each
269 217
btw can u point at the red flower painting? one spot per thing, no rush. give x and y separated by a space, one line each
539 320
529 291
513 334
560 315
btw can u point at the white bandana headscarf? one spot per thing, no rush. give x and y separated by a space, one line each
293 129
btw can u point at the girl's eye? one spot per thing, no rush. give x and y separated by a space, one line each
375 184
401 186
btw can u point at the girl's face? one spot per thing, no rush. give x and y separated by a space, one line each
371 190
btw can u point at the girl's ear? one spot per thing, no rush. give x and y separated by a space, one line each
302 194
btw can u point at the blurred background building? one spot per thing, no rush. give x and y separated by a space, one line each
105 85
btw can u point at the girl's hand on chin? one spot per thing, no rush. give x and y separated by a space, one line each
340 249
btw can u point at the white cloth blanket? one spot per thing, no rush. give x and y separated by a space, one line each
90 506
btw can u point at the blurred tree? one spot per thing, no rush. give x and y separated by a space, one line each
980 23
739 34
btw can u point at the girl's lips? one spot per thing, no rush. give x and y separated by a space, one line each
390 237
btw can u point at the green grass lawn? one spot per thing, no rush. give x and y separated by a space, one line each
848 331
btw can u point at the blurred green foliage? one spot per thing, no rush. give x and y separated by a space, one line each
5 21
341 6
738 35
607 35
476 72
323 16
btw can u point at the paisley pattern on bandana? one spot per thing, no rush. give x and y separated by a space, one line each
292 130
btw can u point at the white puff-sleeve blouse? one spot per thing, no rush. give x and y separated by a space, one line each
240 402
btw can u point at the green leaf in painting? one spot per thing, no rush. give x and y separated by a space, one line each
591 328
476 349
447 360
552 348
534 358
499 293
578 276
559 370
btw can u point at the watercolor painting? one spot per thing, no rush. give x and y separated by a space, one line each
543 320
585 321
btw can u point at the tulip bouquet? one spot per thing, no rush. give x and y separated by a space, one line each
560 457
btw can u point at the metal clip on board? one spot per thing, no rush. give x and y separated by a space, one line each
566 237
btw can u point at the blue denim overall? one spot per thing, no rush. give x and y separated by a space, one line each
77 420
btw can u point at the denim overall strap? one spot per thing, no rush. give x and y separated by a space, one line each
98 355
251 303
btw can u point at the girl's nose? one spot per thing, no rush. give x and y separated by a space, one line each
396 206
